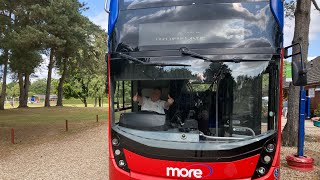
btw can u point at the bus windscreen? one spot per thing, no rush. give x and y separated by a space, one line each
209 25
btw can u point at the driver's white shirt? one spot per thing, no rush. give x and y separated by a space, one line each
149 105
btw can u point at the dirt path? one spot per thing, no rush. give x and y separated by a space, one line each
79 156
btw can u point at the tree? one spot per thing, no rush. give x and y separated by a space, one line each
56 21
23 63
24 41
83 57
5 30
75 36
79 88
97 88
301 35
88 66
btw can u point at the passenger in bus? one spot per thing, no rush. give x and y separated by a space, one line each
154 103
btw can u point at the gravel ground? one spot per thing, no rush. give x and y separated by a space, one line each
78 156
84 156
312 149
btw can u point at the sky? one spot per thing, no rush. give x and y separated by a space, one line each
97 15
314 36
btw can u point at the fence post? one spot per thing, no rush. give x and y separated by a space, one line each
97 117
12 135
67 128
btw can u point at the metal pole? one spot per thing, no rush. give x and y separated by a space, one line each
12 135
123 94
308 104
301 121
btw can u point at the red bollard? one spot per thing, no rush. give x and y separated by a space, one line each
12 136
67 125
300 163
97 117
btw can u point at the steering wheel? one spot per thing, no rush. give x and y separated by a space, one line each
150 112
239 128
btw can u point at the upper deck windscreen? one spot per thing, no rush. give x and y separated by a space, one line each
162 24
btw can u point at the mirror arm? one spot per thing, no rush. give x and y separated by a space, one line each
303 70
106 8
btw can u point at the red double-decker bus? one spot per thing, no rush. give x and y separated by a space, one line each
216 66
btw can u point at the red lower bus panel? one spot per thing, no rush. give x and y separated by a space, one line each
142 167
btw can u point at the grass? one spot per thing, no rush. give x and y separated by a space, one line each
25 116
72 102
78 101
40 125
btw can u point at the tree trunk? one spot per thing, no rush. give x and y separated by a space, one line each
85 102
290 131
26 90
301 35
4 83
48 89
100 101
22 90
61 82
95 101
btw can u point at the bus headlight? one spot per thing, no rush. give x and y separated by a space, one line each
270 148
121 163
261 170
115 141
267 159
117 152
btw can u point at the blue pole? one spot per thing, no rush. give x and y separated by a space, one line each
302 105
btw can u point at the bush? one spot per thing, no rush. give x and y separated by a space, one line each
317 111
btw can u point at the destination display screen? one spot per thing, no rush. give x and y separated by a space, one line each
192 32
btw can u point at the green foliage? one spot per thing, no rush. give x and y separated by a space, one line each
39 86
74 101
87 67
97 86
13 89
120 89
72 91
54 86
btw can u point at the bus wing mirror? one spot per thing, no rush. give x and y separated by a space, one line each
299 71
107 6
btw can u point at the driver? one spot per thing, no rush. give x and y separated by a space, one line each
154 103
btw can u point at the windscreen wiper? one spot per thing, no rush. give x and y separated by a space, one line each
125 56
128 57
185 51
